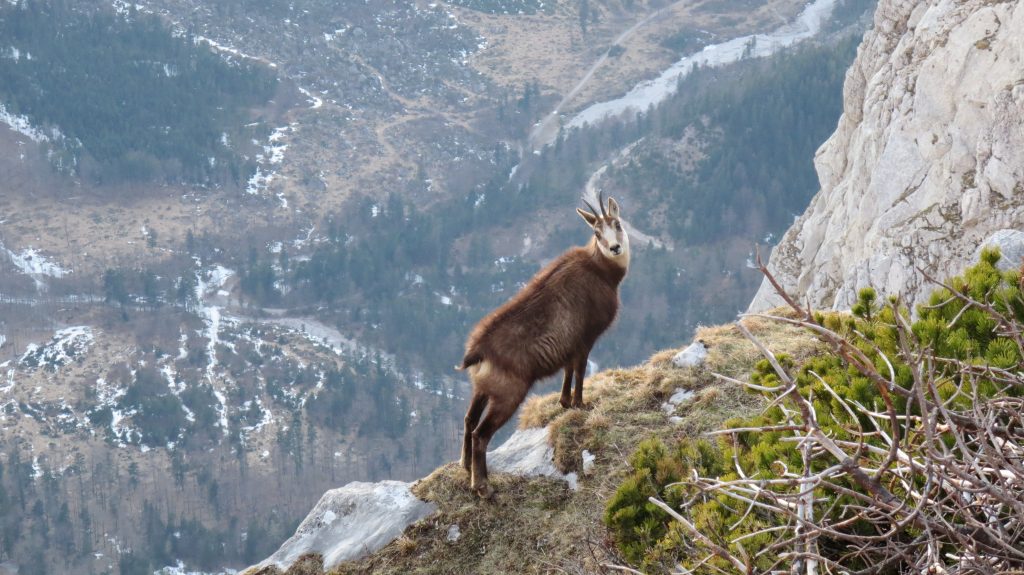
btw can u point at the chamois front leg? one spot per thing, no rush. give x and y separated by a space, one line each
581 371
566 398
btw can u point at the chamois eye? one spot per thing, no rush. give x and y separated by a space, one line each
597 233
618 226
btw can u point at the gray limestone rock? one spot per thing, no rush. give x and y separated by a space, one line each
925 163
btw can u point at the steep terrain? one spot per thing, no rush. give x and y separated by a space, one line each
925 163
550 524
921 170
282 318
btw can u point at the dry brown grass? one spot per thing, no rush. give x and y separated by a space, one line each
729 353
306 565
539 410
568 433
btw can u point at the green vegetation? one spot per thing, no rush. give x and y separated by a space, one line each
132 100
955 343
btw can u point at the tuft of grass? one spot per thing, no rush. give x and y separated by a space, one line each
310 564
730 353
567 435
539 410
405 545
307 565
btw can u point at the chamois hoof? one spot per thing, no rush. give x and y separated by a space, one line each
484 491
578 404
566 404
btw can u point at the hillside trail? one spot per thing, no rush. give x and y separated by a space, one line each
546 130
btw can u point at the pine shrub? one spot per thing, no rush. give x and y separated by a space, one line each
945 328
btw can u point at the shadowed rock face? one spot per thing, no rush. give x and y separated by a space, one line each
925 164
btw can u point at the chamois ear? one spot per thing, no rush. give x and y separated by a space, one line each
588 217
613 208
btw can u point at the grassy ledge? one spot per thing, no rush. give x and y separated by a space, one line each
539 525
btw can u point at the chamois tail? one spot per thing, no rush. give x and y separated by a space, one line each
471 358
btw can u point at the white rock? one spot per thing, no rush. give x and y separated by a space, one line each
925 163
678 398
353 521
692 356
1011 246
528 453
453 533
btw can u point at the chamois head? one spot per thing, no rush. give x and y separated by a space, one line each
609 234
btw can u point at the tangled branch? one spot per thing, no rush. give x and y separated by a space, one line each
926 477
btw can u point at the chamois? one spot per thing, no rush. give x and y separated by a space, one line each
551 324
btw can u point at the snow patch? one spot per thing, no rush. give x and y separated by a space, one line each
62 349
353 521
651 92
23 126
212 317
314 101
219 275
225 49
272 155
588 461
34 264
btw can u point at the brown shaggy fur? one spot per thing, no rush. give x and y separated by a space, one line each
551 324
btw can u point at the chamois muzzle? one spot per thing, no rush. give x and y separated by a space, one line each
616 249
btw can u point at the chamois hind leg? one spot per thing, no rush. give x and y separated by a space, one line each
499 411
567 386
476 409
580 368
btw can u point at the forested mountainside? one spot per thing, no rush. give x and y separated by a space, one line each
126 98
706 176
267 302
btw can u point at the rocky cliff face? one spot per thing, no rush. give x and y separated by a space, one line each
928 158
